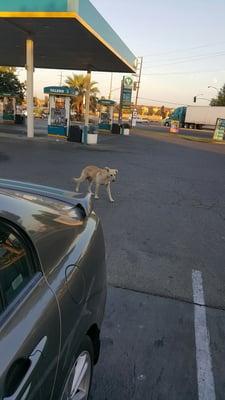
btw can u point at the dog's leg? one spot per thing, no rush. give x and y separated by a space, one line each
90 186
109 192
78 185
79 181
97 190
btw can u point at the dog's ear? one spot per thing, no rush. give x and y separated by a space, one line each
116 170
107 169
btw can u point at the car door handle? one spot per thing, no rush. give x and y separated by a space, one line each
22 390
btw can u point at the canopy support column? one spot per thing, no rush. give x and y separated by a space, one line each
87 107
87 99
30 86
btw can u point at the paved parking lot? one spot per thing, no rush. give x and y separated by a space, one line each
163 335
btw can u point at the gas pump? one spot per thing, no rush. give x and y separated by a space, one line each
59 109
7 107
106 114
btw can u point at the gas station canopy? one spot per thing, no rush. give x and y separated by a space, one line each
67 34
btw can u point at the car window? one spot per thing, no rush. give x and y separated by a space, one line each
16 267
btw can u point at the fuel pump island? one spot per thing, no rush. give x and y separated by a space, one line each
59 109
106 114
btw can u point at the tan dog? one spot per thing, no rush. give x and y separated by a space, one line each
99 176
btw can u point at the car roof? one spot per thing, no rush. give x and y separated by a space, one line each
52 218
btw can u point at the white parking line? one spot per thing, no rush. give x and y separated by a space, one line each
206 386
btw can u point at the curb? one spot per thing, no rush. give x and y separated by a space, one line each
185 137
202 140
20 136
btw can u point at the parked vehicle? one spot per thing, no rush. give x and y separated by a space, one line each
52 292
195 117
138 121
142 121
166 121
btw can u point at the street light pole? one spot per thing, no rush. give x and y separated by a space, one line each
213 87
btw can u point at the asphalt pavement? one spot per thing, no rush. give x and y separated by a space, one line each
40 126
163 334
157 127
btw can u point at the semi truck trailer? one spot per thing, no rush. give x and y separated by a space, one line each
196 117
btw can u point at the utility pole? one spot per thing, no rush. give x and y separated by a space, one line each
60 78
139 68
120 114
110 88
139 82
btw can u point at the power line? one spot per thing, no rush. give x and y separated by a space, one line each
194 56
161 101
190 59
183 49
182 73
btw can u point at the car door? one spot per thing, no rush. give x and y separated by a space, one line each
29 321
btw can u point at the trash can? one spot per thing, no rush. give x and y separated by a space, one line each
116 129
92 135
19 119
75 134
125 129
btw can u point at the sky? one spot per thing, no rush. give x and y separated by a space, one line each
182 44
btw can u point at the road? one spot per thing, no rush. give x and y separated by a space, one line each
40 127
163 333
155 127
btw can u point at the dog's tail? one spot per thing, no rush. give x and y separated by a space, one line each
76 179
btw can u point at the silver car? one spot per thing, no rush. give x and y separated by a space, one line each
52 292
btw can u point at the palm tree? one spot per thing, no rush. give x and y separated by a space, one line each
80 82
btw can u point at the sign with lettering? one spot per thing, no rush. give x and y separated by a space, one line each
219 133
174 128
106 102
127 82
60 91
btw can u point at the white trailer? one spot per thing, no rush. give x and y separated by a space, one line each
199 116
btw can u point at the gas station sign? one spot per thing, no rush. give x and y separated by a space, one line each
126 92
219 133
60 90
127 82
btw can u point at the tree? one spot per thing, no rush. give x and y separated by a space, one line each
150 111
220 100
9 83
80 82
46 101
162 112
